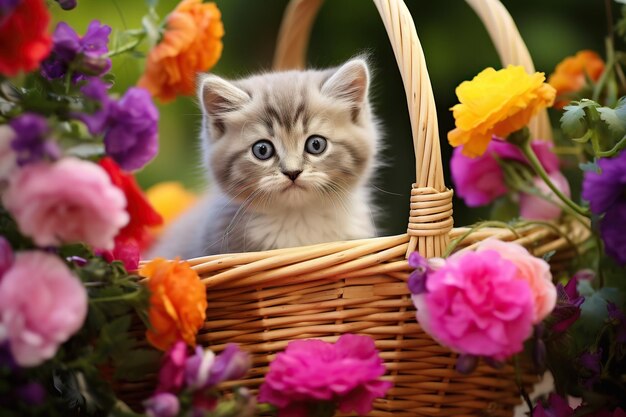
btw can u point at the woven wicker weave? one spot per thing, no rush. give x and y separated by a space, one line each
263 300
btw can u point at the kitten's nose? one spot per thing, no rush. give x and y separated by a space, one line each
292 174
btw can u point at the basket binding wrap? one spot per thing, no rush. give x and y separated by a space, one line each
264 300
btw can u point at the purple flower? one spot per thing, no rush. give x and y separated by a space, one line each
83 55
613 231
198 368
417 279
172 372
567 309
557 407
619 319
32 393
229 365
6 8
591 362
163 404
479 181
131 138
96 91
66 4
309 371
30 142
6 256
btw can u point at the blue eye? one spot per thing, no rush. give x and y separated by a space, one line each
315 145
263 149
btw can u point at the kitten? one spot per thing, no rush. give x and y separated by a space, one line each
290 154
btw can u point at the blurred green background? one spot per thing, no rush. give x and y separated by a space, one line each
456 46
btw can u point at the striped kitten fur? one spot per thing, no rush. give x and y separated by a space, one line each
290 156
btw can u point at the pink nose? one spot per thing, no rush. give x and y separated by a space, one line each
292 174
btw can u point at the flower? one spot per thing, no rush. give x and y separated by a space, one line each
8 157
571 74
169 199
534 207
198 367
42 304
96 121
162 404
477 304
142 215
605 192
126 250
534 271
172 372
6 256
496 103
618 317
66 4
346 372
231 364
192 43
30 142
591 362
132 136
417 279
479 181
558 407
25 24
84 56
32 393
177 302
66 202
567 310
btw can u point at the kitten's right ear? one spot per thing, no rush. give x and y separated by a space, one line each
218 97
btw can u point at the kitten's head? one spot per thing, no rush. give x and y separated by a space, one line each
289 139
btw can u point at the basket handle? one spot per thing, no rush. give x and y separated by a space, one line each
430 218
512 51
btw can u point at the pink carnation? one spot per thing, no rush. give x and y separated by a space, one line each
477 305
479 181
346 372
534 271
537 208
42 304
66 202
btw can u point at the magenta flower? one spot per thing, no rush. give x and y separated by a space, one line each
309 371
85 56
569 301
69 201
42 304
477 304
479 181
172 372
557 407
6 256
31 142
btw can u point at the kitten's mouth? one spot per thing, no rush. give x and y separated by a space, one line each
293 186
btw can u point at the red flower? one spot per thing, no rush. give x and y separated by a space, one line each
142 215
25 41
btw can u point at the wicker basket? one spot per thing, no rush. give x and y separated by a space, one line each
264 300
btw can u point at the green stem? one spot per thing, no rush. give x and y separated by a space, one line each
534 162
603 154
68 81
610 62
123 297
128 47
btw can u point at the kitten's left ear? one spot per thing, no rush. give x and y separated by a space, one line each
349 83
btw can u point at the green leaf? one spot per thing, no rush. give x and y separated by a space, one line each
504 209
573 120
136 364
615 118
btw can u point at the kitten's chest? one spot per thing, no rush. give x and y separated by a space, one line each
293 228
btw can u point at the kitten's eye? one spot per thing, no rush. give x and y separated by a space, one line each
315 145
263 149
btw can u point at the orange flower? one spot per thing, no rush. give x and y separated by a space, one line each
496 103
192 43
177 302
569 75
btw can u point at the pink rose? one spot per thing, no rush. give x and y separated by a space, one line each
536 208
479 181
477 305
532 270
65 202
42 304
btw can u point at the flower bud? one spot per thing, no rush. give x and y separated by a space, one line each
465 364
162 405
67 4
231 364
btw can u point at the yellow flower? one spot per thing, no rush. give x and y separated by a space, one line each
177 302
170 199
497 103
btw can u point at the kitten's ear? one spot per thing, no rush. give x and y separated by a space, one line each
219 96
349 82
